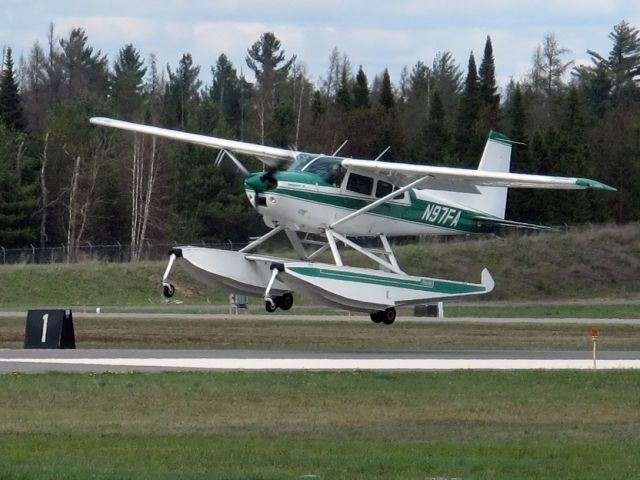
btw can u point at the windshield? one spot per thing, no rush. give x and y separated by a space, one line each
329 168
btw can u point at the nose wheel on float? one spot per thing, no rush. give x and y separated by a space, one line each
168 290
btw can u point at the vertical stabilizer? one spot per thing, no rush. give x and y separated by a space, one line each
496 157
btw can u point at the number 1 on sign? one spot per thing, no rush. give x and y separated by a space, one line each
45 321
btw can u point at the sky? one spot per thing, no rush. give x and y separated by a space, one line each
373 33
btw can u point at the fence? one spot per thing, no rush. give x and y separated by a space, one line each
89 251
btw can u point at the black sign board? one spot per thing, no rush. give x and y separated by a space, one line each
49 329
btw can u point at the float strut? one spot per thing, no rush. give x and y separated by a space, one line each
172 259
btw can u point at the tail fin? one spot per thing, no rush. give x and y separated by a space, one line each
496 157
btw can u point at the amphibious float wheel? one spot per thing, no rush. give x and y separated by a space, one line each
168 290
285 302
376 317
388 316
270 306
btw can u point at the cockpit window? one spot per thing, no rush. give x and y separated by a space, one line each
329 168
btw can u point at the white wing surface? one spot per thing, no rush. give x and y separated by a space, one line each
464 180
268 155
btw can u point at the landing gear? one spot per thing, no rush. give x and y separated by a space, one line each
387 316
270 305
285 302
168 290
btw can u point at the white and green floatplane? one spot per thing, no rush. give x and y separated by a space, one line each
321 202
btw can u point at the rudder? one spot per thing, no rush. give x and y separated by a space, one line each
496 157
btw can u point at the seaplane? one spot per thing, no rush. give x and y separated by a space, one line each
326 202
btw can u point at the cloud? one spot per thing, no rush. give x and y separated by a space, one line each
107 29
236 37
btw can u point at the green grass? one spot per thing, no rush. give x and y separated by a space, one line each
362 336
353 425
570 310
168 458
94 283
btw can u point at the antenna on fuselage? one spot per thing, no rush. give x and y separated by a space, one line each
339 148
383 152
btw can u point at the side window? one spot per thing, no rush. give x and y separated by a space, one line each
384 188
360 184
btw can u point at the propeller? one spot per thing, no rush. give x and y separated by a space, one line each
257 182
269 176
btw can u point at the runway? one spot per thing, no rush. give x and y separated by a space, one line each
41 361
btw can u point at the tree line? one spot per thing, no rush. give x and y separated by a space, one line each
63 181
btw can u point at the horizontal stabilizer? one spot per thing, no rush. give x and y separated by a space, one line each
508 223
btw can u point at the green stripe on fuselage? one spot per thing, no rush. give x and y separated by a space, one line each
418 211
425 284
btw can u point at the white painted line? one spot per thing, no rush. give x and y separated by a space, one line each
336 364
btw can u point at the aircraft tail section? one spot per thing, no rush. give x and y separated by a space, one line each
496 157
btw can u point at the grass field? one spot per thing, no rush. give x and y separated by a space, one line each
464 425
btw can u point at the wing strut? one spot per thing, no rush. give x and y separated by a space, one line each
334 247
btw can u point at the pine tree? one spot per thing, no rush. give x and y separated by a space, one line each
128 82
264 58
17 190
317 106
387 99
519 202
468 142
573 158
343 96
225 92
361 90
436 135
615 76
84 70
537 207
268 63
184 90
11 113
447 79
488 91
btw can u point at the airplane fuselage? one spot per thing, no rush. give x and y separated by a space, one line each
304 203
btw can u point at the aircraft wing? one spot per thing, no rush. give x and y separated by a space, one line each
268 155
464 180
